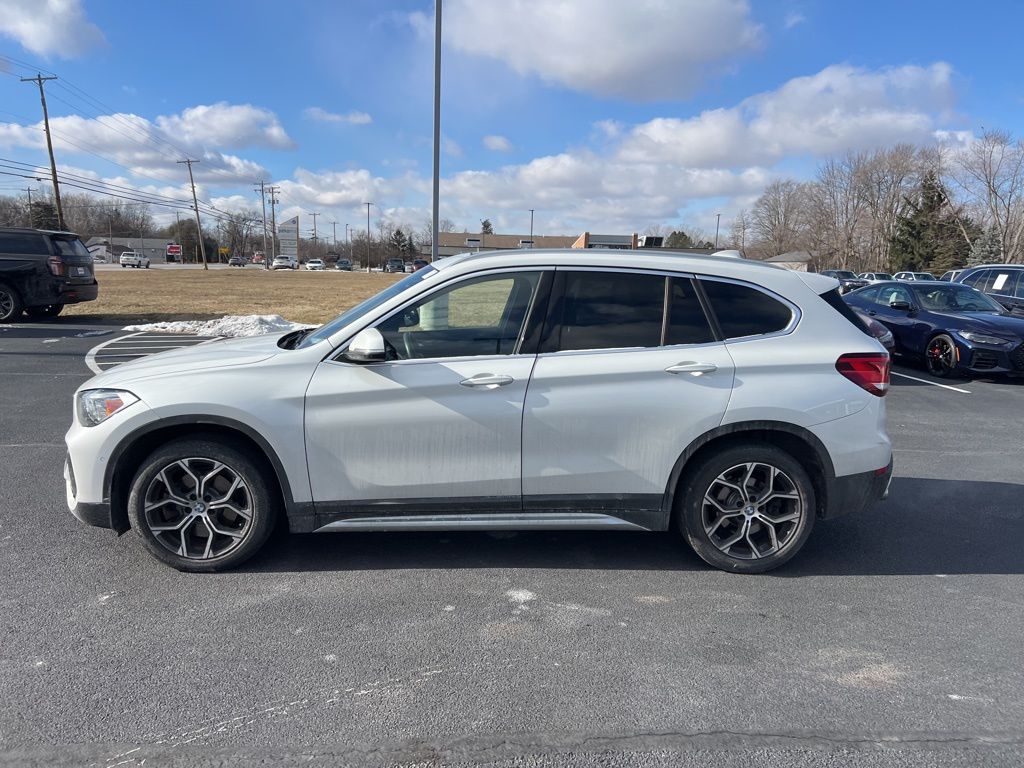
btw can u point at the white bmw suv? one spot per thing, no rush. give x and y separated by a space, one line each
733 402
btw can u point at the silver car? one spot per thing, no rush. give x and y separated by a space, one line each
726 400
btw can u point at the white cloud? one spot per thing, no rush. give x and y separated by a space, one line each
497 143
323 116
227 125
153 147
644 49
794 19
450 147
838 109
49 27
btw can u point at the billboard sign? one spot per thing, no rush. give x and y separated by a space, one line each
288 234
173 249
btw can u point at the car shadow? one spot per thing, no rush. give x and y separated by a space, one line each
926 527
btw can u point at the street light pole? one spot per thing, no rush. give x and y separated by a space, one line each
718 222
437 130
531 226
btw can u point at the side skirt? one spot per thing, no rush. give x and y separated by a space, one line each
536 521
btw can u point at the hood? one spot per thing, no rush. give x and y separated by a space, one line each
1000 325
201 357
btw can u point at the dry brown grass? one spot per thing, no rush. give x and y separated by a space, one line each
133 296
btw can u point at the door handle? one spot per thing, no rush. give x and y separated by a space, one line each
872 312
487 380
691 367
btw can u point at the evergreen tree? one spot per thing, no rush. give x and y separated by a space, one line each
679 239
987 249
486 228
43 215
397 245
929 236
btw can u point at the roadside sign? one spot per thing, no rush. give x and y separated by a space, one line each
223 251
173 249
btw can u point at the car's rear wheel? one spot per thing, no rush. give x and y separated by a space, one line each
201 505
10 303
47 310
941 355
746 509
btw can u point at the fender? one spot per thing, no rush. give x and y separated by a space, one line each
296 511
821 453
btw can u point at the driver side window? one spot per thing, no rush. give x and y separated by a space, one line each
479 317
891 293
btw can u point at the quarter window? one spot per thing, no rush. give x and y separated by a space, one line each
977 280
27 244
687 323
483 316
745 311
606 310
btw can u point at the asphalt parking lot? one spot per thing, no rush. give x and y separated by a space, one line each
893 638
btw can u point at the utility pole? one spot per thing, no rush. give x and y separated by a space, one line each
334 233
437 129
29 190
272 191
531 226
263 199
199 224
718 222
39 80
367 235
315 238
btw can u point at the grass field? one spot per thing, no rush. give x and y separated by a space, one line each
137 296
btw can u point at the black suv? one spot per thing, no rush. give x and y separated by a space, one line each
394 265
41 271
1003 282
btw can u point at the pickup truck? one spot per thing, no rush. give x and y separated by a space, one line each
41 271
134 259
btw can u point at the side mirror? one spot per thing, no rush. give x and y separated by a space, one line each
901 305
367 346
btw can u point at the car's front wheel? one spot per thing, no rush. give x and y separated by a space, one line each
747 509
202 505
940 356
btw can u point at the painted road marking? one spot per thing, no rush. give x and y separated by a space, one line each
132 346
933 383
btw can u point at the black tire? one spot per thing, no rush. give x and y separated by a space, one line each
47 310
11 305
153 482
940 356
706 526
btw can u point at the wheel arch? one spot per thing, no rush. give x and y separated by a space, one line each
129 454
798 441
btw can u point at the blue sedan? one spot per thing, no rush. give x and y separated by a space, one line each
956 329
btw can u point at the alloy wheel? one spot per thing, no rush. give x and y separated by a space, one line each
7 303
940 356
198 508
751 511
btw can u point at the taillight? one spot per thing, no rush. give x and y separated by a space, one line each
868 370
56 266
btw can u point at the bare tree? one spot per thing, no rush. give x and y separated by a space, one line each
740 231
889 177
777 217
835 211
991 171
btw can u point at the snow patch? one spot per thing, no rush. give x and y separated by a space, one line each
520 596
228 326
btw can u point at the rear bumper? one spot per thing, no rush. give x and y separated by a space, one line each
73 294
854 493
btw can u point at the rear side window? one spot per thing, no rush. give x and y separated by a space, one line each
687 323
69 246
23 244
1002 282
1019 292
745 311
977 280
607 310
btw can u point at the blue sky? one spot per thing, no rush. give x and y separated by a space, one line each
603 115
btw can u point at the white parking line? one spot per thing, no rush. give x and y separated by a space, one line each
132 346
933 383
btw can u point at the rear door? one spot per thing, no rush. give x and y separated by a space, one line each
628 373
78 263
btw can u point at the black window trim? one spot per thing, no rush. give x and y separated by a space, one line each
557 290
795 313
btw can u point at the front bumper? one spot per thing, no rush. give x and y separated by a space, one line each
90 513
854 493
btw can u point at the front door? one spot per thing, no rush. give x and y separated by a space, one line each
437 427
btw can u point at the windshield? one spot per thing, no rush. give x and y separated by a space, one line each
955 297
845 274
882 276
328 329
924 275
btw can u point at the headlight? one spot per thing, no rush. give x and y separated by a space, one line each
96 405
982 338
